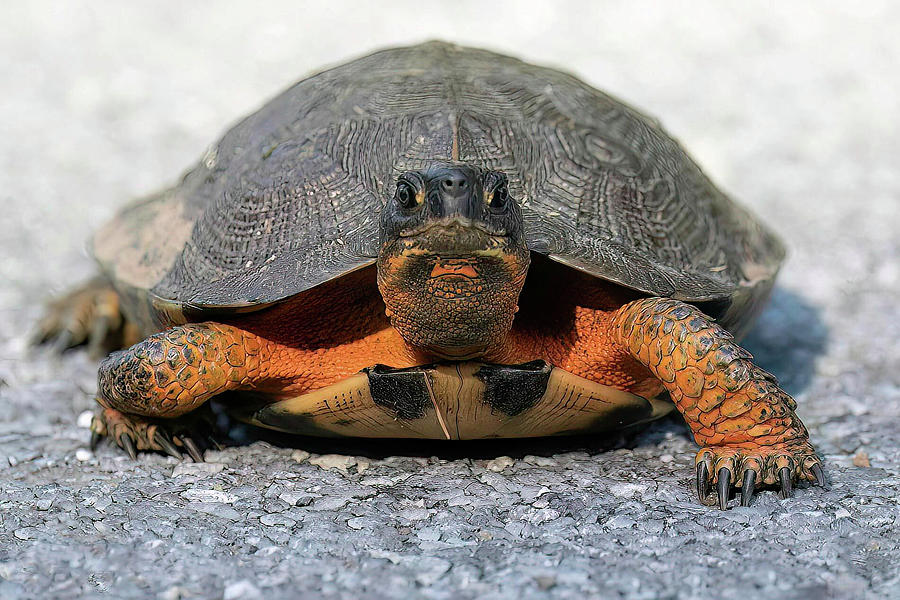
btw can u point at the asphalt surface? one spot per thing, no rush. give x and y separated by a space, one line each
794 112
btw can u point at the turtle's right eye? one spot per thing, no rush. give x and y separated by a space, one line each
406 195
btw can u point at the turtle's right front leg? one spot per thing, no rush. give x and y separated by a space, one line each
156 386
745 423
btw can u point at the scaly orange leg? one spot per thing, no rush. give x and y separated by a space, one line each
149 389
745 422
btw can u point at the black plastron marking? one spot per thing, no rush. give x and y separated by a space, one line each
404 391
260 410
297 424
513 389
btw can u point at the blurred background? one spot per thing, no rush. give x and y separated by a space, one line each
792 108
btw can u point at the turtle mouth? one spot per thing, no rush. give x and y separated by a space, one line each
452 241
455 268
449 224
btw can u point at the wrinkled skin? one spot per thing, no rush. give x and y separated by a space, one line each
453 260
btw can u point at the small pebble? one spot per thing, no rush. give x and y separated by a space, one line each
431 569
216 509
198 469
299 455
330 503
174 593
201 495
296 498
545 582
276 519
83 455
84 419
338 462
499 464
241 590
540 461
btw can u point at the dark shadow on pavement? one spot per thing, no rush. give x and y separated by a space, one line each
787 340
444 449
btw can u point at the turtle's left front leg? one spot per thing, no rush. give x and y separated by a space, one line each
745 422
151 393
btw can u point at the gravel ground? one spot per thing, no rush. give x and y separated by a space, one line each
793 112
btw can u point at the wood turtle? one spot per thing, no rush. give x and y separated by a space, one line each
441 242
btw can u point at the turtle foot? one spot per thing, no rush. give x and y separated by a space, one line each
192 433
89 314
749 467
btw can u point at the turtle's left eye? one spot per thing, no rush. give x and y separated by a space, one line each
499 196
406 195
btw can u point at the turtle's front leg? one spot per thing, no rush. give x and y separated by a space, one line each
737 412
151 391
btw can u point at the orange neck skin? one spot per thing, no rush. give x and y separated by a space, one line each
453 303
339 328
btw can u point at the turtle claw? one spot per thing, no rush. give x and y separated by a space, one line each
819 474
192 449
786 487
773 466
723 486
162 439
95 440
63 341
98 335
702 481
748 487
126 442
134 433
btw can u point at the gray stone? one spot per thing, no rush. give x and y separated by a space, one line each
217 509
241 590
277 520
197 469
296 498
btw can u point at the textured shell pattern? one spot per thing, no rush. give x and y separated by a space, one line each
290 196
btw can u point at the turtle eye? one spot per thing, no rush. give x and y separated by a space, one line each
406 195
499 196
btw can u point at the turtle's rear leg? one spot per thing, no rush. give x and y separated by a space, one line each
90 314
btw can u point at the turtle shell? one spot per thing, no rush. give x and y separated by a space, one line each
290 197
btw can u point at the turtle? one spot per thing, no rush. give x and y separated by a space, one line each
442 242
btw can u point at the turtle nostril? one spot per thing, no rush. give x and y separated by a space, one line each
454 184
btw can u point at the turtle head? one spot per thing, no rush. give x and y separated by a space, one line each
452 259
